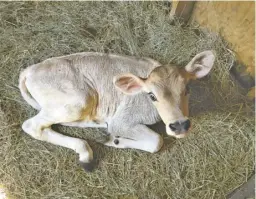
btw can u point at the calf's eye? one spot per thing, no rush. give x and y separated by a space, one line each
152 96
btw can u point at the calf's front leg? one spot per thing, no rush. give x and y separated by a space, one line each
137 137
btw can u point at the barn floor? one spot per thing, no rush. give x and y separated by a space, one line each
217 157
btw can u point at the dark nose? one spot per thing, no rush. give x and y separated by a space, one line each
180 127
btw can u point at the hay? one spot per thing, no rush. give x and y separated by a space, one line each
217 157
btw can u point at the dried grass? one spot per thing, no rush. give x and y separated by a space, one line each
217 157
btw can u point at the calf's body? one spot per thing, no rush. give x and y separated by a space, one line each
87 90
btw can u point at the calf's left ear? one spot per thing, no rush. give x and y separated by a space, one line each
201 64
128 83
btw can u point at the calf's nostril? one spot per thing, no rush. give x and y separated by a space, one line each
187 124
173 127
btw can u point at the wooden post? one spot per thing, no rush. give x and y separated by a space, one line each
182 10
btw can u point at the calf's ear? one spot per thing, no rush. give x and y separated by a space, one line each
129 84
201 64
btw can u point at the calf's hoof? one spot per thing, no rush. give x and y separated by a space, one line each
88 166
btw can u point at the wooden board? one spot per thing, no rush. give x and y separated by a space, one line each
182 10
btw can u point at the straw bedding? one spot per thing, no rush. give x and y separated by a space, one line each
214 159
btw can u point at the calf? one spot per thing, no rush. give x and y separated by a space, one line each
120 93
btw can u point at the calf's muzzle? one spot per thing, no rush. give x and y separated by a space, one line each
180 127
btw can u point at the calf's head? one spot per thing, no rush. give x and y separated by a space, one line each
166 87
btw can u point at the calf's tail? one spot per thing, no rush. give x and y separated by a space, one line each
24 90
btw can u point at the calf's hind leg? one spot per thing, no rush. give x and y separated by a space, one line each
39 128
